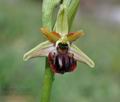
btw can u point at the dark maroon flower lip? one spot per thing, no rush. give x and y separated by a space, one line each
61 63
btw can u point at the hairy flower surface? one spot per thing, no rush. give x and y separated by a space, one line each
59 48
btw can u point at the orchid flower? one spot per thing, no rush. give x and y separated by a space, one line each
59 48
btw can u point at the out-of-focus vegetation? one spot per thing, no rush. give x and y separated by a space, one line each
21 81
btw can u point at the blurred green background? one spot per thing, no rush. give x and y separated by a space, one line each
21 81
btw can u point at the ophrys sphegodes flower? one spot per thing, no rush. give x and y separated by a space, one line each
62 54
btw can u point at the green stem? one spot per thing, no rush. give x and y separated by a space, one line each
47 83
47 11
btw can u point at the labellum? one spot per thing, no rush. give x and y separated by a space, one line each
62 60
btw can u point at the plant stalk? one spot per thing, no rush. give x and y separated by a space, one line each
47 12
47 83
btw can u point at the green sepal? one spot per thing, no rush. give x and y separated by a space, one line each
61 25
42 49
81 56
